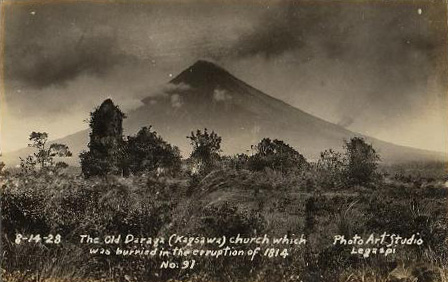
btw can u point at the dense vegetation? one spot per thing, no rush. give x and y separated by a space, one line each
140 185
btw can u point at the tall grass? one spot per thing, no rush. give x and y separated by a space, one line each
225 200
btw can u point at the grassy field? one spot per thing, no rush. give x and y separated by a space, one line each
405 200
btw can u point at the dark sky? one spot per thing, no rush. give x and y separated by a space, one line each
373 67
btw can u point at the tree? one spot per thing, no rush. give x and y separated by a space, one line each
361 161
147 151
45 155
206 148
106 146
330 167
277 155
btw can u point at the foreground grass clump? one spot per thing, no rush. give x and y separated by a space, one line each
226 201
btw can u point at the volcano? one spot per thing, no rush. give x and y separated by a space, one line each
207 96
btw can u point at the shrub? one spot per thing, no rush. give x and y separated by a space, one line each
277 155
239 161
206 149
229 221
147 151
361 161
330 168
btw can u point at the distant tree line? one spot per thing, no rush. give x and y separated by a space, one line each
110 153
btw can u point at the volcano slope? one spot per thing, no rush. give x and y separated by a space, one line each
207 96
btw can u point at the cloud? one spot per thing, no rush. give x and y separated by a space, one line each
221 95
176 101
164 91
40 66
287 26
169 92
372 64
294 32
380 56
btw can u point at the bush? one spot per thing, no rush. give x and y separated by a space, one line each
276 155
206 149
361 161
330 168
147 151
239 161
229 221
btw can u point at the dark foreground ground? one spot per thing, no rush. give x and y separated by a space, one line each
407 200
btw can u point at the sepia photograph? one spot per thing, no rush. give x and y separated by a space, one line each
224 140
